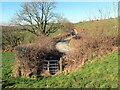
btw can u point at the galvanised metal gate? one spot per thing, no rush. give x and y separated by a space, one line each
52 66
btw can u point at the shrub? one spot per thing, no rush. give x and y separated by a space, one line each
29 58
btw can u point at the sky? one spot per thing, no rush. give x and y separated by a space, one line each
73 11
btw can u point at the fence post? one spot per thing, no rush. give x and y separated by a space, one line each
60 64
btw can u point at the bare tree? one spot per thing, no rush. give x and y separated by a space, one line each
115 7
37 17
104 14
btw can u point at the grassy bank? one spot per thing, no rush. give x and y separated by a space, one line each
100 28
99 73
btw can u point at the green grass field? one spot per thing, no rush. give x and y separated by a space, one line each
102 73
100 28
56 33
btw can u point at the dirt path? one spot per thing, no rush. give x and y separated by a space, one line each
62 45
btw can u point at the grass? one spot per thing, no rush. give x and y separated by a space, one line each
106 27
102 73
56 33
28 37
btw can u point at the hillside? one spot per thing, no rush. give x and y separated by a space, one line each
100 28
47 45
93 63
98 73
96 28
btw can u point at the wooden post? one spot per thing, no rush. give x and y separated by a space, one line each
60 64
48 66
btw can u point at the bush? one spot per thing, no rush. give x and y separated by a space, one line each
88 49
29 58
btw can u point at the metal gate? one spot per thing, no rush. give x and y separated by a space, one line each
52 66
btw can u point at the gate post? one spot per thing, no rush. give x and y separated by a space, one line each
60 64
